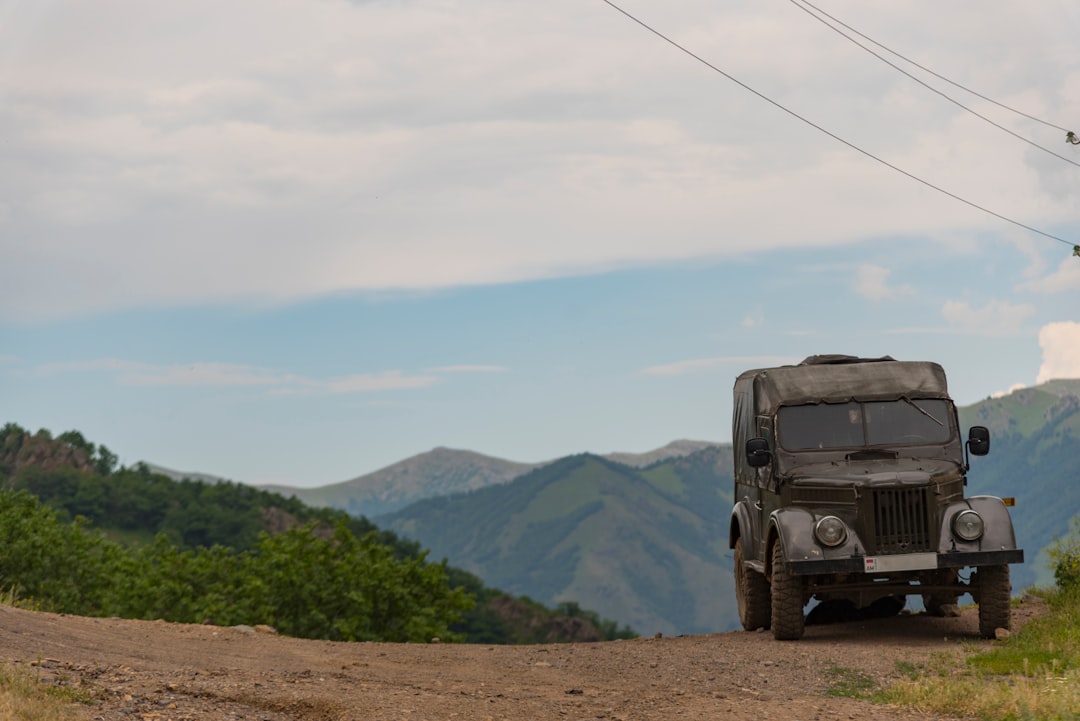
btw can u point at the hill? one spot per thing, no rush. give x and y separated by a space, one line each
648 546
439 472
1033 457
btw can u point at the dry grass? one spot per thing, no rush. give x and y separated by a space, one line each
1035 674
24 698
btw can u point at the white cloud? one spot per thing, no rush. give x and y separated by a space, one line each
367 383
993 318
1012 388
304 148
1060 343
1066 278
754 318
871 282
203 374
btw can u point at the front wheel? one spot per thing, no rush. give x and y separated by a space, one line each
995 592
751 593
788 622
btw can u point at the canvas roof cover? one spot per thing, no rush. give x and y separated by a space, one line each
838 379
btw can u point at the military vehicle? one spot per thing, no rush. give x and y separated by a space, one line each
849 489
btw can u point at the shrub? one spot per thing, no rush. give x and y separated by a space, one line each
1065 555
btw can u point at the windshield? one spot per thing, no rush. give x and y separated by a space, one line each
858 425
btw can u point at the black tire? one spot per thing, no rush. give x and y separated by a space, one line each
995 592
788 622
752 593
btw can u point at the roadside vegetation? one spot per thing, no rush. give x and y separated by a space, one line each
23 697
1034 675
80 535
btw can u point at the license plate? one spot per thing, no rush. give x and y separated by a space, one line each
903 562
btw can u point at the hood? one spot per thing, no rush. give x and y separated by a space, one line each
886 472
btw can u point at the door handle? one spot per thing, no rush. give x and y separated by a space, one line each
757 505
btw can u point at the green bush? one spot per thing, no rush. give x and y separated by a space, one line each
307 582
1065 555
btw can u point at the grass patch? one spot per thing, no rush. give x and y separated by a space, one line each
849 683
1034 674
24 698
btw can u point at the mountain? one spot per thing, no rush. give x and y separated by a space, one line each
647 547
438 472
675 449
1033 457
184 475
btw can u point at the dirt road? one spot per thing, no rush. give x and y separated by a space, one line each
155 671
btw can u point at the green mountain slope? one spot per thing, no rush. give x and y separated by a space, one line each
1034 457
646 547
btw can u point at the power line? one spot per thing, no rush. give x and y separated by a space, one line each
931 88
832 135
931 72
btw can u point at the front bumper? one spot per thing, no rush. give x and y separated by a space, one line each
906 562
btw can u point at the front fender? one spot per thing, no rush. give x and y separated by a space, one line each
739 525
794 531
997 536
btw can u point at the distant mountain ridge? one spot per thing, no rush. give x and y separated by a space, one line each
441 472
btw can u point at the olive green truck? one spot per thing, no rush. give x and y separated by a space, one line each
849 487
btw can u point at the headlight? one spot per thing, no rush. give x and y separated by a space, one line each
831 531
968 525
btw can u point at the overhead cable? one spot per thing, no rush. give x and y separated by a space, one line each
832 135
931 72
799 4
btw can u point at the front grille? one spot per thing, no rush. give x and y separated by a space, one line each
901 520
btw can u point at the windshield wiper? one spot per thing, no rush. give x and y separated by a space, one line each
922 410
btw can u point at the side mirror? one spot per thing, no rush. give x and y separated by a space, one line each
757 452
979 440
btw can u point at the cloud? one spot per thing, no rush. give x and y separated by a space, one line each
204 374
699 365
995 318
366 383
1012 388
871 282
469 369
322 147
1063 280
753 319
1060 343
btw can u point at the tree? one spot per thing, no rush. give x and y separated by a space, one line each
105 460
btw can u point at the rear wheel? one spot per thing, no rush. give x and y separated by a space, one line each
995 592
752 593
787 599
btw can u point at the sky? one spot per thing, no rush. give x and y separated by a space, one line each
294 242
